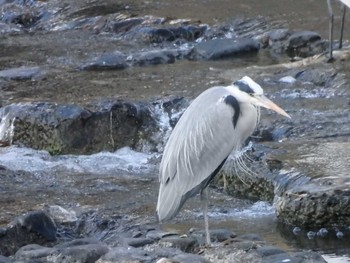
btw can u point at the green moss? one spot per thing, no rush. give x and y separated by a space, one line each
55 148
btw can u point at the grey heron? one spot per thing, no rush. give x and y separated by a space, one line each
216 123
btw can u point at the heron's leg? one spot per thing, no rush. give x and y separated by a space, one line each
204 196
331 17
342 27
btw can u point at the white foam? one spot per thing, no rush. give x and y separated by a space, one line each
122 160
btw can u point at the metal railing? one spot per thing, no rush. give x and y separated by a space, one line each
346 3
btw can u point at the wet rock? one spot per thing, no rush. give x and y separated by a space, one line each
325 207
189 258
319 77
266 251
22 73
216 235
78 242
5 259
224 48
72 129
38 222
153 57
35 227
125 25
170 33
307 257
82 253
113 61
20 14
126 254
139 242
185 244
302 38
34 252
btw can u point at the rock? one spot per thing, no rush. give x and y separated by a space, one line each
158 234
82 253
22 73
35 227
305 44
38 222
124 254
33 252
78 242
109 61
266 251
20 15
190 258
169 33
61 215
139 242
319 77
125 25
63 129
224 48
185 244
307 257
5 259
153 57
216 235
301 39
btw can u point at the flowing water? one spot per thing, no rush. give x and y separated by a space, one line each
98 180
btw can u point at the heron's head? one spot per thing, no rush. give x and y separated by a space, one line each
254 94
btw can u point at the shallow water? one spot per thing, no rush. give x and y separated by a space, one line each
96 181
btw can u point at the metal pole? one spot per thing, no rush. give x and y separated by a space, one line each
342 27
330 13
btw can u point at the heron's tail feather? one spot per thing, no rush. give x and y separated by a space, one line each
169 203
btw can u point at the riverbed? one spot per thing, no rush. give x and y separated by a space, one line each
70 180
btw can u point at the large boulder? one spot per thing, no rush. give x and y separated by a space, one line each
72 129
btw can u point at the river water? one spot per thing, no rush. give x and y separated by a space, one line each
61 177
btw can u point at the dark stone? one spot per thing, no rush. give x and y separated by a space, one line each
154 57
111 61
34 252
307 257
139 242
220 235
302 38
20 15
83 253
125 254
38 222
125 25
224 48
185 244
266 251
78 242
170 34
319 77
158 234
22 73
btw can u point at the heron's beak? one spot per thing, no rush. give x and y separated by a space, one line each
266 103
